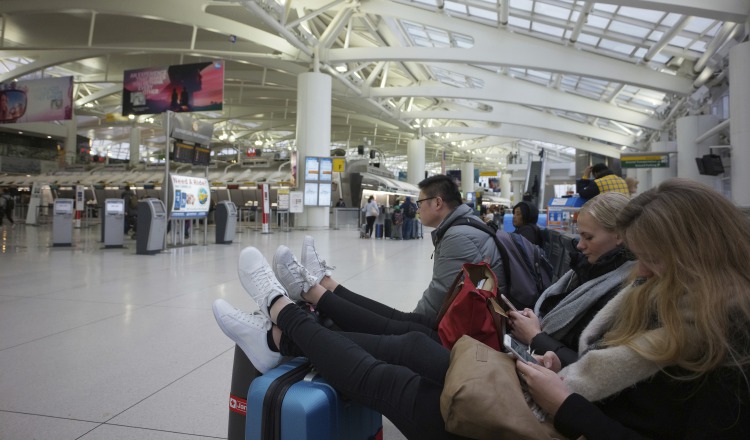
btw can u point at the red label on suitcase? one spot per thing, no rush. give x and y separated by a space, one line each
238 405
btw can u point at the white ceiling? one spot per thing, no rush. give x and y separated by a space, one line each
477 78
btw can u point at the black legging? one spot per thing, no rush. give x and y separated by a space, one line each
370 221
400 376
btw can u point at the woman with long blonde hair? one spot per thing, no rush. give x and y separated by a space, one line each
669 356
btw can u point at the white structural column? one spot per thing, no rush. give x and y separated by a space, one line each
313 136
643 176
659 175
467 177
688 129
739 128
71 141
505 184
415 161
517 192
135 146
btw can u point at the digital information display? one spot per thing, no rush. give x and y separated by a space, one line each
115 207
318 177
189 197
183 153
202 155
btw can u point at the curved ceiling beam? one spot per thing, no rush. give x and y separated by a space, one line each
736 11
191 13
538 134
517 115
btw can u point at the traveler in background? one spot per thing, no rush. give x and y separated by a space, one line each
669 356
525 216
604 180
131 208
340 203
409 209
7 204
397 220
598 271
632 185
371 211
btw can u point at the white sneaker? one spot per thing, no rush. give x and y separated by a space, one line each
249 332
295 278
258 279
312 260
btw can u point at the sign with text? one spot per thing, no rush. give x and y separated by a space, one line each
39 100
190 197
657 160
180 88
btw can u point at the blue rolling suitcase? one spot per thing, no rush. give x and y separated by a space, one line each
290 402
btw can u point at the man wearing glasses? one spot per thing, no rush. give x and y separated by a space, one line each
439 205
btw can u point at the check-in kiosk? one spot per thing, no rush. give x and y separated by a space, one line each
226 221
113 223
62 222
562 213
151 227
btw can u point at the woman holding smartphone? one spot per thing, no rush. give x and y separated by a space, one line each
668 357
597 272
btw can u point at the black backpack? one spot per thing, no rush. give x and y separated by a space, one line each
527 271
410 210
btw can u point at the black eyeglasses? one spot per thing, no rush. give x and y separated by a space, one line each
425 199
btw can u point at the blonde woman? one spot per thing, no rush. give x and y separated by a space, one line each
669 356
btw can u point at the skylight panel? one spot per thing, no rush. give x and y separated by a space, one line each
483 13
605 7
524 5
547 29
648 15
655 35
629 29
660 58
455 7
698 46
591 40
518 22
552 11
671 19
625 49
699 24
597 22
680 42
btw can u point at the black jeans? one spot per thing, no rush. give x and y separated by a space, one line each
400 375
370 221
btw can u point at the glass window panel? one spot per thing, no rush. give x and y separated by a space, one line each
552 11
641 14
640 52
588 39
453 6
546 29
629 29
661 58
518 22
699 24
597 22
605 7
655 35
483 13
525 5
680 41
670 19
698 46
617 47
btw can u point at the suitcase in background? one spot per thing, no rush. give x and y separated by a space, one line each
292 403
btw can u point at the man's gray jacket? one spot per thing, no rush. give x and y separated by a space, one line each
460 244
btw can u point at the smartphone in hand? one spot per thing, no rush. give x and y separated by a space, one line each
508 303
518 350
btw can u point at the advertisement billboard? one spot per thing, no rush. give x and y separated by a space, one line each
180 88
39 100
189 197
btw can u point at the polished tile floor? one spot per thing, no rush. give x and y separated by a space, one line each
105 344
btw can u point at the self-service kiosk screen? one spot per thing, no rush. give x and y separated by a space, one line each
158 208
63 208
115 207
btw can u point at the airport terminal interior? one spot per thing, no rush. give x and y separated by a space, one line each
107 342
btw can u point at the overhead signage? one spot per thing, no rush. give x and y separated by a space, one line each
39 100
339 164
194 87
660 160
185 128
189 197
